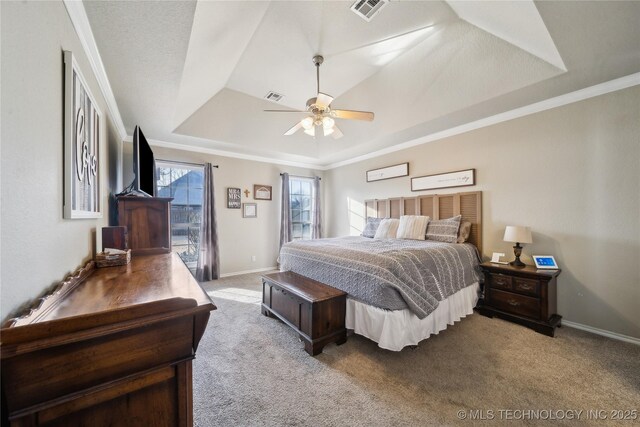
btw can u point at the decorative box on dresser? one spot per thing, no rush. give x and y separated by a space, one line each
148 223
109 346
524 295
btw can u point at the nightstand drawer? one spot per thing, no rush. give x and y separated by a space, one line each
515 304
526 286
500 281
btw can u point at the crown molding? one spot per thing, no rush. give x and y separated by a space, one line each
80 21
547 104
231 154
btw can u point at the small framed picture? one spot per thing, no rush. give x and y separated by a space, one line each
261 192
545 262
249 210
495 259
233 198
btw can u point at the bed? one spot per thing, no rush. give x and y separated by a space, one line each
400 291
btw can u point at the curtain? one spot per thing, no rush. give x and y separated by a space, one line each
285 212
208 267
316 231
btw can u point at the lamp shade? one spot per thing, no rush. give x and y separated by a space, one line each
517 234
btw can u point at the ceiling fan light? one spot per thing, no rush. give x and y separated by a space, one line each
311 131
328 131
307 123
327 123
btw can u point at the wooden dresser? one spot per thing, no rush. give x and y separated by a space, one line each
523 295
110 346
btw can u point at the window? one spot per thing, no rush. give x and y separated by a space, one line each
184 184
301 198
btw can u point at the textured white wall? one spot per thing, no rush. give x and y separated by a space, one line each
38 246
240 238
572 174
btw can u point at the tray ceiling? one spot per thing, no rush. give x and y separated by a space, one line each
196 73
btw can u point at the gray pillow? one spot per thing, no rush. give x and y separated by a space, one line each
464 232
371 227
444 230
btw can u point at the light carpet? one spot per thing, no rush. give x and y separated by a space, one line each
253 370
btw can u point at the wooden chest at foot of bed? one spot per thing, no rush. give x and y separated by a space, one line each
315 310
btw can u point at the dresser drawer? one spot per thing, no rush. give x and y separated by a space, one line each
526 286
515 303
500 281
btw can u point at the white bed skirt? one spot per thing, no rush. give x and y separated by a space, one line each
396 329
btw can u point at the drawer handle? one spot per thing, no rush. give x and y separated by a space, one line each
514 303
526 287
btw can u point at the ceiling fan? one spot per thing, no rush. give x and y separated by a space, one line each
320 113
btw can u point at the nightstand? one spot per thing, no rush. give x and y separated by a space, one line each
523 295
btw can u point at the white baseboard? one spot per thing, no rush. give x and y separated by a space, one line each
257 270
602 332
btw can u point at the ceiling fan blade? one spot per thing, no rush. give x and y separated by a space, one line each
285 111
336 133
323 100
354 115
294 129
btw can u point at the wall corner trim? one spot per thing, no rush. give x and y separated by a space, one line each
602 332
80 22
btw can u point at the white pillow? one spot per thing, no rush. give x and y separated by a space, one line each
387 229
413 227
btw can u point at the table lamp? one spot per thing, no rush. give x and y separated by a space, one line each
517 234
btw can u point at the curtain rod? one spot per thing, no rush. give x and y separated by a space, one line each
184 163
300 176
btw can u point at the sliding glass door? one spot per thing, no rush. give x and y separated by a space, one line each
184 184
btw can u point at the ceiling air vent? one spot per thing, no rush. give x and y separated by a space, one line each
367 9
273 96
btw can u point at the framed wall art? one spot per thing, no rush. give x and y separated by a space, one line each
234 197
261 192
388 172
82 124
249 210
444 180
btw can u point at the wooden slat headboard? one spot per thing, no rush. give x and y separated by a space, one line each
468 204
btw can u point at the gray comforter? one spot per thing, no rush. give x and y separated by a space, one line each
388 273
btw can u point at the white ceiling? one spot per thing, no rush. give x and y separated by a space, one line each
196 73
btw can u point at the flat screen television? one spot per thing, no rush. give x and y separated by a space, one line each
144 165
